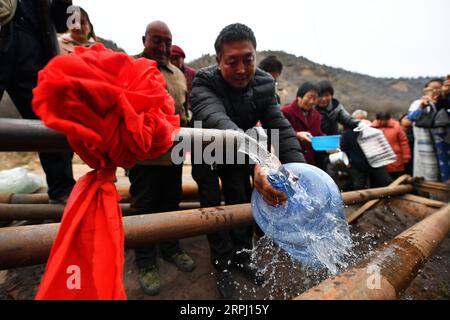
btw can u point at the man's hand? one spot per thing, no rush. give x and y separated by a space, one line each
270 195
425 101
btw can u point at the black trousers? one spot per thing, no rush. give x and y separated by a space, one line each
370 177
19 67
155 189
226 246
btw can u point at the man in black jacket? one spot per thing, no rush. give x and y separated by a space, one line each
235 95
27 43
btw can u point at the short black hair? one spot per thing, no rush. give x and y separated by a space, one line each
307 86
232 33
383 115
271 64
433 80
325 86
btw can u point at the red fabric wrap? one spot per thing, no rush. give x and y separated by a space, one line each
114 111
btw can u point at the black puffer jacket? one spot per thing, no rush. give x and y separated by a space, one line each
333 114
48 17
219 106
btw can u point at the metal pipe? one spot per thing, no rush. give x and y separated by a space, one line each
28 245
41 212
45 211
30 135
369 204
376 193
31 244
189 193
10 212
33 135
392 267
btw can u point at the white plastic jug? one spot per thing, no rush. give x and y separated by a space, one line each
376 148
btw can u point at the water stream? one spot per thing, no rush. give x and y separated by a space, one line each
312 227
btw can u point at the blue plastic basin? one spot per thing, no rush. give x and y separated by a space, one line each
323 143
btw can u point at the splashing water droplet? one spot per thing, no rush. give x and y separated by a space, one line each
312 227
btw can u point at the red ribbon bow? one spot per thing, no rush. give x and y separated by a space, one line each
114 111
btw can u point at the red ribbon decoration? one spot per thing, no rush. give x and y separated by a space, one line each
114 111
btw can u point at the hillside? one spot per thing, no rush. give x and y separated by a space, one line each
354 90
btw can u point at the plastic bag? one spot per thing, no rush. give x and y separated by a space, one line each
376 148
312 228
19 180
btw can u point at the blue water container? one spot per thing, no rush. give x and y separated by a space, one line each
324 143
312 228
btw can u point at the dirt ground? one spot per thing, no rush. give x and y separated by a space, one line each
286 279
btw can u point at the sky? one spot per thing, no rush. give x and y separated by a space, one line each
382 38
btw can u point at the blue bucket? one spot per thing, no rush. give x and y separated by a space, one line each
324 143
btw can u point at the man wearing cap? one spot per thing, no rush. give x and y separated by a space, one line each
177 59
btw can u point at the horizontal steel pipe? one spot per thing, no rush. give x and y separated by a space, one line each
45 211
189 193
33 135
359 196
30 135
38 212
28 245
10 212
392 267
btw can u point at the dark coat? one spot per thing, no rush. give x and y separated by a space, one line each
357 158
333 114
300 122
47 18
219 106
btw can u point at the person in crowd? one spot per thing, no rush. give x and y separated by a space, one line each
158 188
407 128
433 86
332 114
27 43
304 118
83 34
274 66
79 34
177 59
232 95
361 173
432 133
396 137
423 165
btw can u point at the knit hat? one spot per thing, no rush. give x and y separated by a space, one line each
177 52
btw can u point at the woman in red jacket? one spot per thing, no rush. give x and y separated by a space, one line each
304 118
396 137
